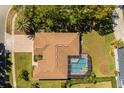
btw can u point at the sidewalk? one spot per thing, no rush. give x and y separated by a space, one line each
13 59
10 47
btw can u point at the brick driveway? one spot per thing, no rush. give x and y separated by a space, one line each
22 43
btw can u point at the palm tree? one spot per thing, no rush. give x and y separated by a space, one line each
23 24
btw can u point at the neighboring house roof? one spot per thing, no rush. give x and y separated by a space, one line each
121 62
55 48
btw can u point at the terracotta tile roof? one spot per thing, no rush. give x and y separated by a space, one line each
55 48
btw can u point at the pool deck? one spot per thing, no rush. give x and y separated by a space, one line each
86 71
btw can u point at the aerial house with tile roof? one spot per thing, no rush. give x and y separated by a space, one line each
61 56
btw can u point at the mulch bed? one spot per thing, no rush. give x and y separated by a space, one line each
17 32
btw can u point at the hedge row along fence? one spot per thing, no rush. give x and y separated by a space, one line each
88 80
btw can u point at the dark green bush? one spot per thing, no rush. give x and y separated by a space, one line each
37 57
24 75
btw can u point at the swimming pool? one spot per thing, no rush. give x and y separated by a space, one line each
78 65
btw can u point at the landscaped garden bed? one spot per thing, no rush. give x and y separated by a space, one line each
9 20
16 30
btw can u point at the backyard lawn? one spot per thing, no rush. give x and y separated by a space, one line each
24 62
50 83
99 49
97 85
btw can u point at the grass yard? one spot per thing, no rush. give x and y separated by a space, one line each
50 83
99 47
24 61
97 85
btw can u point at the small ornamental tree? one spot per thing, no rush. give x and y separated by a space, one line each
24 75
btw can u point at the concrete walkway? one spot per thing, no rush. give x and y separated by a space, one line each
9 42
119 28
13 58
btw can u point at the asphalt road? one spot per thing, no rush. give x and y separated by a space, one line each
3 13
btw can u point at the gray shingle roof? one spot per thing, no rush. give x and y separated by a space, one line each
121 62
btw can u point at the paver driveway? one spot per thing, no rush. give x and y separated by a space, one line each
22 43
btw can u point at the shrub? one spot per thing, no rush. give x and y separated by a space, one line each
117 43
120 44
35 85
37 57
24 75
63 85
94 81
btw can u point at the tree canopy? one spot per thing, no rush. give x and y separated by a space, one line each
68 18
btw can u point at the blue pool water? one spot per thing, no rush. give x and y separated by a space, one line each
76 67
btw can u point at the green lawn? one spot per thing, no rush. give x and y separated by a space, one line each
50 83
106 84
99 47
23 61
